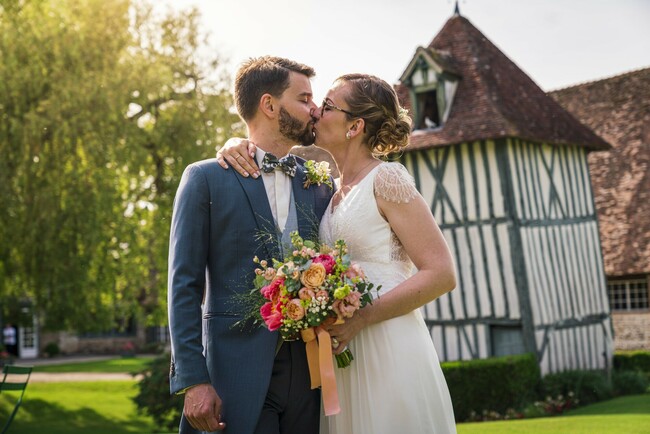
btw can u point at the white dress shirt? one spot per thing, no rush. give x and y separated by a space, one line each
278 190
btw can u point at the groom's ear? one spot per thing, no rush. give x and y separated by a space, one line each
268 106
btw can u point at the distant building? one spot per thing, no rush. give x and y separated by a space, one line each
505 171
618 109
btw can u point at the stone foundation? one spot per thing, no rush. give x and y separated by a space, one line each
71 343
631 330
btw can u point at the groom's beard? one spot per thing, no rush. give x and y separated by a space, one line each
294 130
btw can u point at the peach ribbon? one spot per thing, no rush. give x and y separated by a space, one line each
321 367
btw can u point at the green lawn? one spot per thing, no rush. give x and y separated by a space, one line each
103 407
625 415
106 408
126 365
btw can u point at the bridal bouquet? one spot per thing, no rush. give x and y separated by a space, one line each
314 283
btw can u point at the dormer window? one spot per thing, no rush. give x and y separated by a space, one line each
431 88
428 116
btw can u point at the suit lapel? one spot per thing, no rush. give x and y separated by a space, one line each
259 203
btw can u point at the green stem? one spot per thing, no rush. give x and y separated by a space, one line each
344 359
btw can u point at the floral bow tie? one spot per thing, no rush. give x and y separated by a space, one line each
287 164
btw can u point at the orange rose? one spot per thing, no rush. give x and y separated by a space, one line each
295 311
314 276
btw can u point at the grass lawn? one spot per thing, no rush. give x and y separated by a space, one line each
624 415
126 365
106 407
103 407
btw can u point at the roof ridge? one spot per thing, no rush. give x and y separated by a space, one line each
596 80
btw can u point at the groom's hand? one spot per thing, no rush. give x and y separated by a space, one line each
202 408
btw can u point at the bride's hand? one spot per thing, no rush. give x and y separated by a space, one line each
239 153
344 333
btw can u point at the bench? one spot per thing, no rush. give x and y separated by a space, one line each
15 379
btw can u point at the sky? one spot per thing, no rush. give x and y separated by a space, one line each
558 43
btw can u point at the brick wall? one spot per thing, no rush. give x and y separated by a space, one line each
631 330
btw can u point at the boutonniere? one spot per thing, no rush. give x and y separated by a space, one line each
317 173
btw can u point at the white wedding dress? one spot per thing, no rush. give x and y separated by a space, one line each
395 384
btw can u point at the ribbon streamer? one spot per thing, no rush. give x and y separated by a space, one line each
321 367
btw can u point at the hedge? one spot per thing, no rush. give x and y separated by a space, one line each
153 398
632 361
494 384
588 386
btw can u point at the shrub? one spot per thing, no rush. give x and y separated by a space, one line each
496 384
5 357
487 416
153 398
633 361
629 382
588 386
128 349
153 348
52 349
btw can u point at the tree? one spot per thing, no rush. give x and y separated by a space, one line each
102 105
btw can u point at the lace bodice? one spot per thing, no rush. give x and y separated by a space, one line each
369 237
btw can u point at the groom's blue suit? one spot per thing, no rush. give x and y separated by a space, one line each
218 217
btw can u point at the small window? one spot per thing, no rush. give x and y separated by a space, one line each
507 340
628 295
428 113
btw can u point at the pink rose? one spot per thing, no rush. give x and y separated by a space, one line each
346 307
272 290
327 261
295 311
336 308
353 299
323 295
272 315
355 271
306 294
269 273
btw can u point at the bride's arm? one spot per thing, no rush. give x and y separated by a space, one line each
239 153
425 245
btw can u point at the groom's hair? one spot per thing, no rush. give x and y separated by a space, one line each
261 75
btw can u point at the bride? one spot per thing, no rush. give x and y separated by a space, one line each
395 383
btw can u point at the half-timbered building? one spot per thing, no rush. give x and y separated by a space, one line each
504 168
618 109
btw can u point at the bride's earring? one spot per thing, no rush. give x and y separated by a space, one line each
347 135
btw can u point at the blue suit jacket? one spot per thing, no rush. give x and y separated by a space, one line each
217 219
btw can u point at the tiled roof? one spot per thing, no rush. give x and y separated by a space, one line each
494 98
618 109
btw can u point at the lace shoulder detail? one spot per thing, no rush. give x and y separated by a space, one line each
394 184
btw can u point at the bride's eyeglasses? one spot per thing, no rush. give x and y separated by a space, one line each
329 106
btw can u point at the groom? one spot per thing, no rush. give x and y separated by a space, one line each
232 377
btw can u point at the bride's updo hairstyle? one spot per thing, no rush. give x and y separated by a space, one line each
387 124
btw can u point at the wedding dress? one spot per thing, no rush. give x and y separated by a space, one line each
395 384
